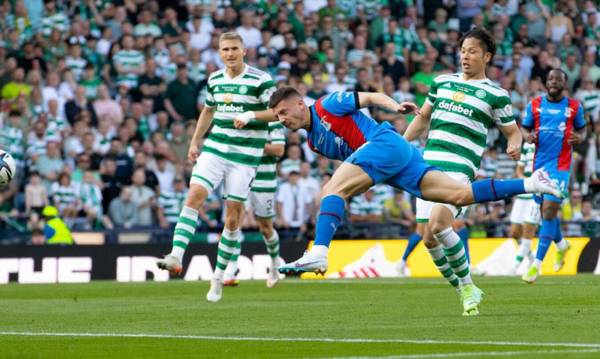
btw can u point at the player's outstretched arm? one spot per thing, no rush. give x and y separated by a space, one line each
204 121
514 139
242 119
367 99
420 123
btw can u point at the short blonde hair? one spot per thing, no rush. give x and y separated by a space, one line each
231 35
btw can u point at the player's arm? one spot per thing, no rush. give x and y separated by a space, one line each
503 117
420 123
366 99
580 125
274 149
204 121
515 140
242 119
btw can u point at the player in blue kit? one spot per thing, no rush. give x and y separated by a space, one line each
554 123
374 153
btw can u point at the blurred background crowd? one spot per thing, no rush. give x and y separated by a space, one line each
100 98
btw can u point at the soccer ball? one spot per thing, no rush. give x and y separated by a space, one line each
8 168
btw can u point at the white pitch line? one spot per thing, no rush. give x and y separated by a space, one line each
475 354
283 339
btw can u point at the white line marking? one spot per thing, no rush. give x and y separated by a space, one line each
325 340
477 354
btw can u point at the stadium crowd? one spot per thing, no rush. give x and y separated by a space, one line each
100 98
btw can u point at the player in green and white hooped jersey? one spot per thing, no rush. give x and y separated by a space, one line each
229 155
525 214
459 109
262 202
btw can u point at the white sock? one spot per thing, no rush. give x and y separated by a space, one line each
231 237
455 253
537 263
319 251
562 245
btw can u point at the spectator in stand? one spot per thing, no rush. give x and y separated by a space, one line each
292 161
365 208
36 198
399 211
144 199
180 99
292 203
171 202
122 211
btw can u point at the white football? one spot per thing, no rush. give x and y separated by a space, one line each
8 168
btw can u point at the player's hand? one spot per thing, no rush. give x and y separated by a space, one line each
193 153
575 139
408 108
513 152
242 119
531 137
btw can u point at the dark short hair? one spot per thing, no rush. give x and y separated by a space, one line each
559 70
484 37
282 94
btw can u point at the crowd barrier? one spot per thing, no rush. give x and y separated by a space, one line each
347 259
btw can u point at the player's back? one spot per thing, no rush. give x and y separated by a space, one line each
338 127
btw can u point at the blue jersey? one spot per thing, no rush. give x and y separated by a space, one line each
554 122
338 128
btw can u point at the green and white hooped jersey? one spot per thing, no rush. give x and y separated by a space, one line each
266 173
463 111
527 154
249 91
172 204
129 59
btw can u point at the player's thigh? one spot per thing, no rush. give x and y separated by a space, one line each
410 176
437 186
238 181
209 171
348 180
262 204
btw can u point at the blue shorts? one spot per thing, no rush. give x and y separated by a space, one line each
389 158
562 177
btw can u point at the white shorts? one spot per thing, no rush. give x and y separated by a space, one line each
424 207
525 211
262 204
210 170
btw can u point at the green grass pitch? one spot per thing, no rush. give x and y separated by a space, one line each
558 317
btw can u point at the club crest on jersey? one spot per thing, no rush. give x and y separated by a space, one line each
568 112
458 96
326 124
562 126
243 90
228 98
480 94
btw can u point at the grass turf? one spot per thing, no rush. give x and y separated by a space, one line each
554 310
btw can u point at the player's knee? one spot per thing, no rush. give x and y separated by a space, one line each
265 228
437 226
430 242
196 197
460 198
329 190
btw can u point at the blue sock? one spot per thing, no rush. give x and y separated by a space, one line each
558 234
464 238
547 235
492 190
413 240
330 217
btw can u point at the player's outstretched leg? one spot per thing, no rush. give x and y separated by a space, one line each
413 241
230 275
437 186
347 181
